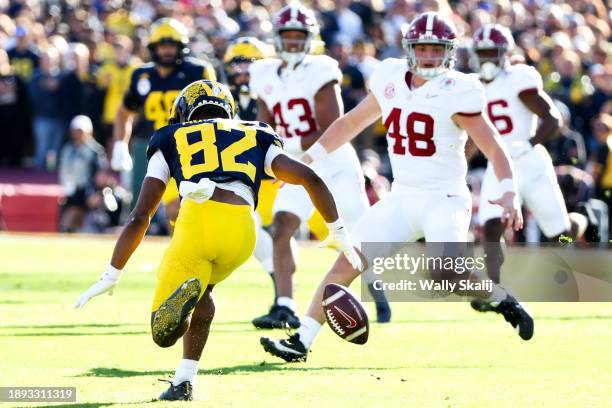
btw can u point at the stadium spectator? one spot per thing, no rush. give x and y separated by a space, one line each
80 160
600 165
15 115
568 148
23 56
46 92
114 77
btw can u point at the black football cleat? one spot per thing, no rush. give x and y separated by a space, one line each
517 316
291 350
480 305
175 310
279 317
181 392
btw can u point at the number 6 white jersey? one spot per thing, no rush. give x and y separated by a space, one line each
290 98
426 148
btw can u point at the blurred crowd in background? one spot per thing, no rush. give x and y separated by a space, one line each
65 65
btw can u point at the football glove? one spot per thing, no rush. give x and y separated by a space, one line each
107 283
121 160
339 239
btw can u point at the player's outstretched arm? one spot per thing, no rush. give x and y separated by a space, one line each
487 139
129 239
293 171
344 129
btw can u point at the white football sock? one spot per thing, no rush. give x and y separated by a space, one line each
497 295
308 330
286 301
263 250
186 371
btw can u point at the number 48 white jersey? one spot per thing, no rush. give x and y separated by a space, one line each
426 148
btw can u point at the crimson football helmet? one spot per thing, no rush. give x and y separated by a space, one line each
430 28
491 45
294 17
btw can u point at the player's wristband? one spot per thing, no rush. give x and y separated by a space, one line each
293 145
317 152
111 273
336 225
507 186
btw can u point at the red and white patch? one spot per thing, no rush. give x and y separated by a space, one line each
390 91
448 83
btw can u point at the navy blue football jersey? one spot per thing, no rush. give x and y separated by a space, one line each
222 150
155 95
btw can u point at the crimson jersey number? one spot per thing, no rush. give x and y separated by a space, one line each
306 117
424 134
503 123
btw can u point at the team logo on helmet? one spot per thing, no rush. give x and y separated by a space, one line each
200 94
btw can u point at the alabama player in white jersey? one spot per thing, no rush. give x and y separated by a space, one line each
427 108
299 95
516 104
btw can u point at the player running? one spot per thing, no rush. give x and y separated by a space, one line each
516 103
427 108
152 90
299 94
218 164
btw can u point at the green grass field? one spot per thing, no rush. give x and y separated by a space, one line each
431 355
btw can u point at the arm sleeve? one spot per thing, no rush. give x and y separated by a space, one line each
131 100
528 79
271 144
273 152
158 167
326 71
471 100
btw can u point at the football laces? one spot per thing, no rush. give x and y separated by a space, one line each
334 323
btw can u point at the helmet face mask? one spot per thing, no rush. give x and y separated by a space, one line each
165 32
200 95
167 53
491 44
239 56
429 29
294 29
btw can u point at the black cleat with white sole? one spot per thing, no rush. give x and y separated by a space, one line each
279 317
291 350
181 392
517 316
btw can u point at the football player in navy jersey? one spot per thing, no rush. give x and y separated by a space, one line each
153 88
218 163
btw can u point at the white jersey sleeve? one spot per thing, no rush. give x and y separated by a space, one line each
379 79
158 167
525 77
258 71
322 70
470 94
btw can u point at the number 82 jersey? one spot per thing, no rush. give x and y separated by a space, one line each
222 150
426 147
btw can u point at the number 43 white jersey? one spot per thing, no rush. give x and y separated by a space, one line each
426 148
289 96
